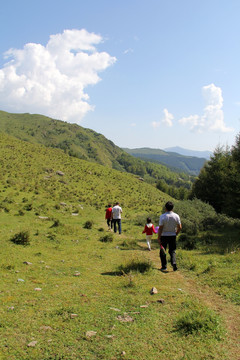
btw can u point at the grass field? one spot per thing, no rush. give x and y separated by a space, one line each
63 296
72 290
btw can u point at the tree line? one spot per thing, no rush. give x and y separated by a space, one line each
219 181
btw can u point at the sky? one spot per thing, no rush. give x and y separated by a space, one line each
144 73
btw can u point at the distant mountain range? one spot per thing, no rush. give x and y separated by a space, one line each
176 161
187 152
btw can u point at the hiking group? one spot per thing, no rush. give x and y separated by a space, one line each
168 229
113 217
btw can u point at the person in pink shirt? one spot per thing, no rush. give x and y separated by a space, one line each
149 230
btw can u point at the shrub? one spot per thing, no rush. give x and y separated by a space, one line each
106 238
199 321
129 245
21 238
56 223
134 265
88 224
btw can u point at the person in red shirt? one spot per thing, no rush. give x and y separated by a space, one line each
108 216
149 230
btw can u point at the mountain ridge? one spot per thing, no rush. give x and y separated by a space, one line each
189 164
86 144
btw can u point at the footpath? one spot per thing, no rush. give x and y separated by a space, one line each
228 311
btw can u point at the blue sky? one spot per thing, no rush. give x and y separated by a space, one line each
144 73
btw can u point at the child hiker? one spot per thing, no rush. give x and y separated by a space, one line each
149 230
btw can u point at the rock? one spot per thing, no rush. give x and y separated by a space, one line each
77 273
38 289
115 309
89 334
153 291
45 328
143 306
20 280
43 217
32 344
60 173
109 336
161 301
27 263
125 318
63 204
72 316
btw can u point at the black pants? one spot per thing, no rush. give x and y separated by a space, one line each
109 223
169 241
115 223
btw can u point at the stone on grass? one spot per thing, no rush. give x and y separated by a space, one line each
21 280
72 316
27 263
153 291
125 318
89 334
45 328
161 301
32 344
38 289
76 273
114 309
143 306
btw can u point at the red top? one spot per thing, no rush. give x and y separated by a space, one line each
108 213
149 229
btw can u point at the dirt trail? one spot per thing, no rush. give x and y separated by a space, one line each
227 310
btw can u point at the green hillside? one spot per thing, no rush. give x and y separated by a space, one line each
189 164
32 168
87 145
73 290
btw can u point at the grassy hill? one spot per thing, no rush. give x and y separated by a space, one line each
81 292
189 164
85 144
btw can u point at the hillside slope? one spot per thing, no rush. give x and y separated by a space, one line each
189 164
85 144
52 175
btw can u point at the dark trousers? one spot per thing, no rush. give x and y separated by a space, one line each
169 241
109 223
115 223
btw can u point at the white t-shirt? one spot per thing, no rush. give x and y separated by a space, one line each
169 220
116 212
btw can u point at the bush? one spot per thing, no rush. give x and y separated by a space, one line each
21 238
106 238
199 321
88 224
186 242
141 266
56 223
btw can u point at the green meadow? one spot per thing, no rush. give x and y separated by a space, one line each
71 289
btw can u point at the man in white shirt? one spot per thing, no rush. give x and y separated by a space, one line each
116 218
169 227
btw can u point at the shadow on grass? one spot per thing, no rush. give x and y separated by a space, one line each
113 273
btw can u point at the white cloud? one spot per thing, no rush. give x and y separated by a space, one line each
213 116
166 120
51 79
128 51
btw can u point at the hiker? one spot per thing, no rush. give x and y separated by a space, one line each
108 216
149 230
169 227
116 218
